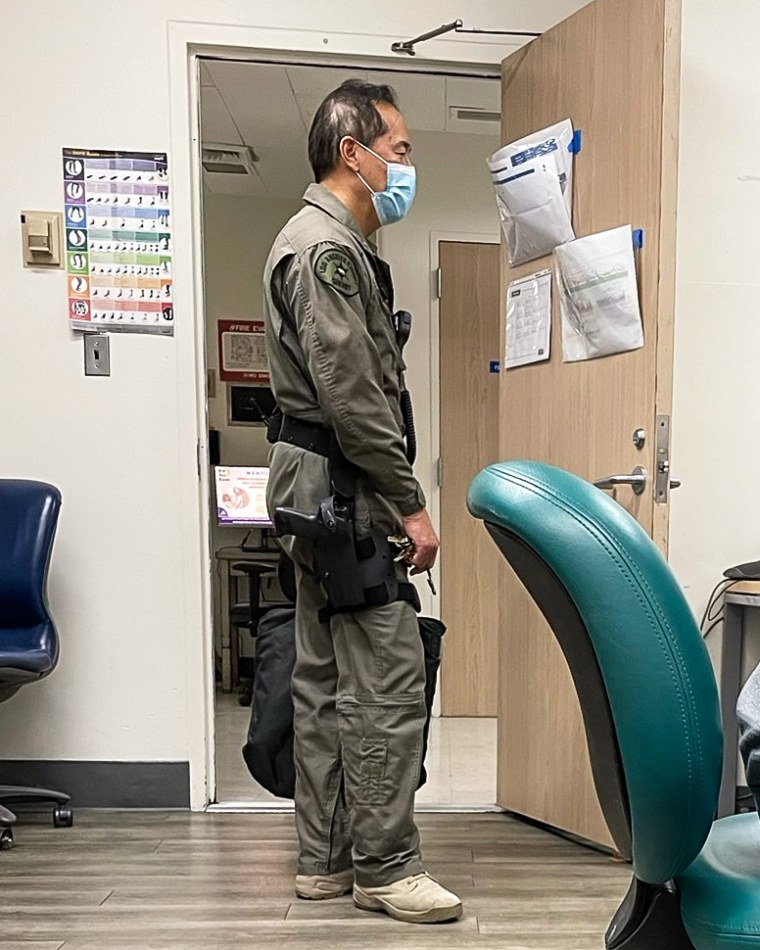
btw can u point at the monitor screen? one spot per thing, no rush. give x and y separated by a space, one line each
241 496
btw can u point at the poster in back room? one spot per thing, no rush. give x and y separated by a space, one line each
243 352
118 241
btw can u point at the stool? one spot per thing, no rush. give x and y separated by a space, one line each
248 615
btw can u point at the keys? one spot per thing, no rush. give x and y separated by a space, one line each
404 544
406 548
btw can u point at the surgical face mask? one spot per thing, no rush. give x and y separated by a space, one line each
393 203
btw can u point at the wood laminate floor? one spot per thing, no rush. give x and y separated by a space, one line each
157 880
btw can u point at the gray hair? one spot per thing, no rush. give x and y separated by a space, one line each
348 110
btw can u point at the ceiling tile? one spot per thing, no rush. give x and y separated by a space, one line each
476 93
206 79
421 98
260 98
216 122
311 84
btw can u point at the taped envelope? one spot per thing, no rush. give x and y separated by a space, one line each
533 213
598 295
532 179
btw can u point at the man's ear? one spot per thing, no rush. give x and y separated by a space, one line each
349 150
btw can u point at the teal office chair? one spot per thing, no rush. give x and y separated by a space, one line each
649 702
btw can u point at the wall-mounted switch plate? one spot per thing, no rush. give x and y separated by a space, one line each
97 354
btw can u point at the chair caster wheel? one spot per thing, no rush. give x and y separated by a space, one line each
6 839
63 816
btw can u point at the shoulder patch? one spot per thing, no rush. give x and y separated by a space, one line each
335 268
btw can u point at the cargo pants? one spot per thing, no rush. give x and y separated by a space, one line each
358 695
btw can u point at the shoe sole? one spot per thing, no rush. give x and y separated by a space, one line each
329 892
321 895
436 915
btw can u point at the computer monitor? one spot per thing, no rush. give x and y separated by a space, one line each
241 496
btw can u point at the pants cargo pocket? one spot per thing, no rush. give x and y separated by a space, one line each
373 755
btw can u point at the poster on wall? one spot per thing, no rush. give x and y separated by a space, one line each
118 241
243 352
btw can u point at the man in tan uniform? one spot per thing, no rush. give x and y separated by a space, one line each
336 369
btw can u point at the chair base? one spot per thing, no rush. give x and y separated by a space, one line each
63 817
648 919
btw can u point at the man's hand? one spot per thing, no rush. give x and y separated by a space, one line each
419 528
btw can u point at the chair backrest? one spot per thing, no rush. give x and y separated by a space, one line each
644 678
28 519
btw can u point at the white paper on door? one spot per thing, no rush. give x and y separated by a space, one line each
532 180
529 313
598 295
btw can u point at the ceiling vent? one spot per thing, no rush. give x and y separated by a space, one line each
228 159
468 114
473 120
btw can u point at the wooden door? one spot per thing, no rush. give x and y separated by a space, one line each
469 416
613 69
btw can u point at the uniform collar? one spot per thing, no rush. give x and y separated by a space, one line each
325 200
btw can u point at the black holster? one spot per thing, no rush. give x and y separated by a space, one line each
355 574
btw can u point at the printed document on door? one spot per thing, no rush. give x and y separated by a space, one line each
529 315
598 295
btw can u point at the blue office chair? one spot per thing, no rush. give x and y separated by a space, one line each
28 639
649 702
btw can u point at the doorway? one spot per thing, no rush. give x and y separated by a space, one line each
254 123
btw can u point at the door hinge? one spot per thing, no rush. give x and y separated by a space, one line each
198 452
439 471
438 283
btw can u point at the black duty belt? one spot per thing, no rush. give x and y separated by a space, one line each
306 435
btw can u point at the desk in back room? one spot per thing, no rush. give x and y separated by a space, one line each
227 641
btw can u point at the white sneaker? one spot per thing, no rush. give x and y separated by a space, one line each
418 899
320 887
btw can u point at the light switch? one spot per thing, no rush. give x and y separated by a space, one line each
42 238
97 354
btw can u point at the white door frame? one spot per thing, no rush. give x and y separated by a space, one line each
187 42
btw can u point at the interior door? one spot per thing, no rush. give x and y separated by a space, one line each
470 564
613 69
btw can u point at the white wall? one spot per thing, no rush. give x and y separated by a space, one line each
238 233
453 195
716 514
126 583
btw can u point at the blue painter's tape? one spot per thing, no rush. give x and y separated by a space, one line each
638 238
577 141
493 366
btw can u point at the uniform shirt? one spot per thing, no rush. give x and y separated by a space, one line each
333 356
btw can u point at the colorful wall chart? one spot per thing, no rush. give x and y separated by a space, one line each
118 241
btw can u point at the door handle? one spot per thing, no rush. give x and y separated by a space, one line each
637 479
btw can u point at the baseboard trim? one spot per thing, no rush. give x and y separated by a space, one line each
105 784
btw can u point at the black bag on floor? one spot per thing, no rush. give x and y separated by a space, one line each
268 751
